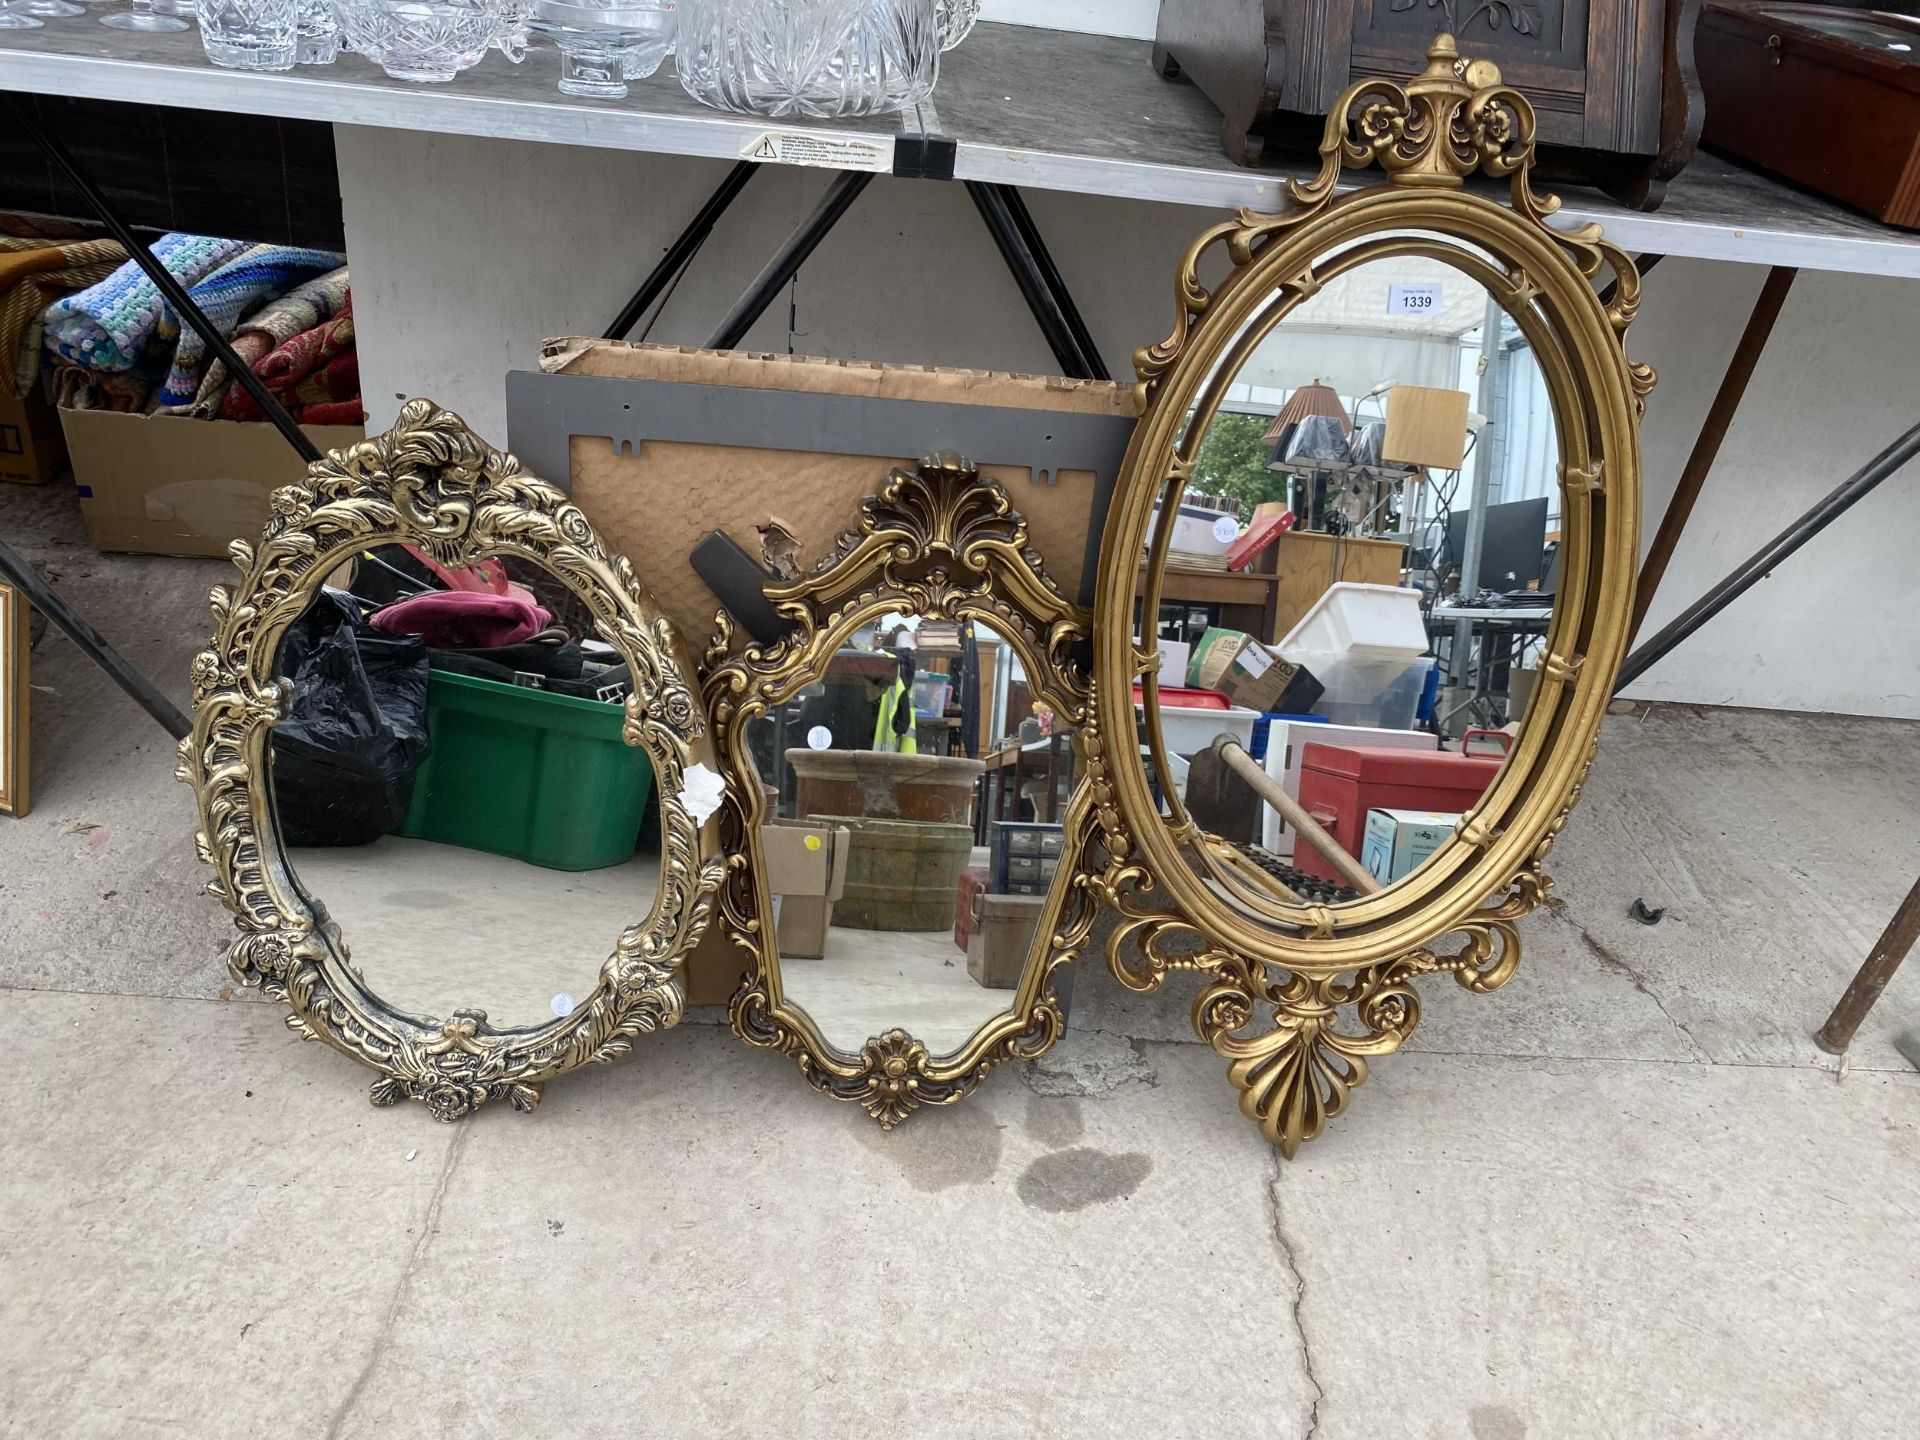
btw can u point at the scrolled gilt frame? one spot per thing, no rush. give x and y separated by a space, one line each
1300 998
432 483
942 543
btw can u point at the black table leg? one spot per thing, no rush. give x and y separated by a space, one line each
1092 366
681 252
44 598
791 256
1028 273
1758 566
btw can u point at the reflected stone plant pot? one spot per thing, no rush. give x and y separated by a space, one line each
884 785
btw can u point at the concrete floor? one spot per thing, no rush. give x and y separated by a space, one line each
1625 1196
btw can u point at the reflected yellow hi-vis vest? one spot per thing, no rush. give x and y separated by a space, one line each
885 736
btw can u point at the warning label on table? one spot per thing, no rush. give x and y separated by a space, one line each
829 152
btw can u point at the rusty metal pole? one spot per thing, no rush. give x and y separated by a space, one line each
1713 433
1885 957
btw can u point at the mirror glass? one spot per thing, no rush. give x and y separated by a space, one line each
1359 577
915 794
451 785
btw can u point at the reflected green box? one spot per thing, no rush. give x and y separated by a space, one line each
541 777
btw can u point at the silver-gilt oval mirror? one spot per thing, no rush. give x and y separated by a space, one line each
452 776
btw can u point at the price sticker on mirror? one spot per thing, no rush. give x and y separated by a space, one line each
819 738
562 1005
1410 299
1226 530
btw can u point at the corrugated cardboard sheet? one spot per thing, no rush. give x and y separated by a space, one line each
655 506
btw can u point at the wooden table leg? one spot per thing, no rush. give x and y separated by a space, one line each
1885 957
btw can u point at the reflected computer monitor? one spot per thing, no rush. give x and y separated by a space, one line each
1512 548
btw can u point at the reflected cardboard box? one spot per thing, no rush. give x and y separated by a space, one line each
1000 938
1399 841
1250 675
806 868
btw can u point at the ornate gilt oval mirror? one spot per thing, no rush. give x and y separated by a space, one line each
452 776
902 759
1434 386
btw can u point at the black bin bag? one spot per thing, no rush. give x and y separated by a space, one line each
355 732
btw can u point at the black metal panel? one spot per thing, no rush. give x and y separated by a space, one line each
243 177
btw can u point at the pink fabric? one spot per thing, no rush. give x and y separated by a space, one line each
463 619
488 577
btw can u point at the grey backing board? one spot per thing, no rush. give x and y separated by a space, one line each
545 412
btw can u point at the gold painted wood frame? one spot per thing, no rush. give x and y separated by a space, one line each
430 482
1301 997
16 641
943 543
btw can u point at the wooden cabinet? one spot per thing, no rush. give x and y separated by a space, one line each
1611 80
1267 603
1311 561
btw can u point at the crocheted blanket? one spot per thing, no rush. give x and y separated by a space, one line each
106 326
318 367
303 308
240 285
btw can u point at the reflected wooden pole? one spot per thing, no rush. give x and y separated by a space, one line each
1233 754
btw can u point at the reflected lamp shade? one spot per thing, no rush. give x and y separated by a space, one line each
1306 401
1367 448
1318 442
1426 427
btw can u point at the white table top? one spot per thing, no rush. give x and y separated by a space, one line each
1492 612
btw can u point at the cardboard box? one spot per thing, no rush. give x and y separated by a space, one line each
1000 938
1211 655
1175 656
1250 675
32 448
654 502
806 868
1399 840
163 485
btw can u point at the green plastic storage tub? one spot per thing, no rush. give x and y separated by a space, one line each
516 771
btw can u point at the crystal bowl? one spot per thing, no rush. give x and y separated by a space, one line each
426 40
819 58
603 46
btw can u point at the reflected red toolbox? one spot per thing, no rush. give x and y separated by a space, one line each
1339 784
